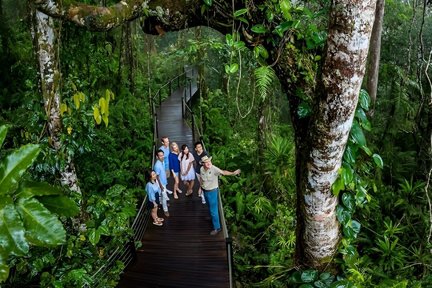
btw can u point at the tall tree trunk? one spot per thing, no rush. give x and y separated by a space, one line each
342 74
47 54
374 53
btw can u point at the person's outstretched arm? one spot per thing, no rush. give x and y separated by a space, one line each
229 173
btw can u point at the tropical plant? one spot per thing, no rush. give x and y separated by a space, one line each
28 209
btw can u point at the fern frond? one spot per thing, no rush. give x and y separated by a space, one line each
264 77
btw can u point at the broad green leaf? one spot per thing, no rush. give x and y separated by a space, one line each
327 278
107 95
337 186
239 45
105 119
14 165
285 6
96 115
366 150
262 51
43 227
30 189
361 115
60 204
231 68
103 106
208 2
259 29
76 98
269 15
357 134
63 108
94 236
306 286
320 284
103 230
349 250
244 20
378 160
12 232
81 96
240 12
355 226
3 132
284 26
348 201
229 39
364 99
347 174
4 271
351 153
351 229
343 215
309 276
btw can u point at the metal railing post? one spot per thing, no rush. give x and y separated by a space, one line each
190 89
193 127
183 106
157 126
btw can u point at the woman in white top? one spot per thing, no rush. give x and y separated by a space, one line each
187 171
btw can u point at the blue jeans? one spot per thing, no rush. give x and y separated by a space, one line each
212 201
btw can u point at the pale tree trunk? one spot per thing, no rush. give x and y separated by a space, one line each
47 55
347 47
374 53
321 140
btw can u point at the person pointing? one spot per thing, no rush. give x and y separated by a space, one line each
210 185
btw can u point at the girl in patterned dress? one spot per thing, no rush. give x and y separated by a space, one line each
187 171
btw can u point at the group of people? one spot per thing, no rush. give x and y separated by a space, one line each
186 166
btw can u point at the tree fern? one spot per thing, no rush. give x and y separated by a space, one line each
264 77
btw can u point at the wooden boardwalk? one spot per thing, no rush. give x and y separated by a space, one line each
181 253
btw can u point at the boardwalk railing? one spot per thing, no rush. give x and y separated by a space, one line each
126 253
189 115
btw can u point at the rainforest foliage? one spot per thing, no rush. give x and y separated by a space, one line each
107 81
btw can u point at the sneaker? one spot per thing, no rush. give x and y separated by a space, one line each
166 213
215 232
168 191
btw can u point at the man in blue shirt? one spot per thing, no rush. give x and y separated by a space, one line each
159 168
165 148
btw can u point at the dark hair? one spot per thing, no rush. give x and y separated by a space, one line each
147 174
184 146
198 143
160 150
163 137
